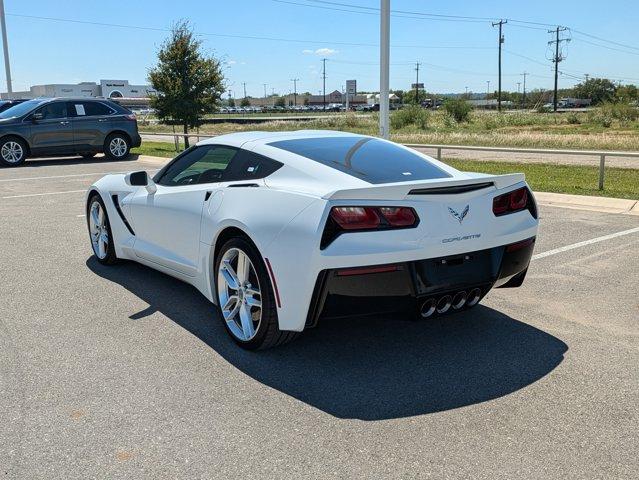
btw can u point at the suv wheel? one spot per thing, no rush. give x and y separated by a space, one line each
13 152
117 146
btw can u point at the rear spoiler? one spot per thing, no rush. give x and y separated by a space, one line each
399 191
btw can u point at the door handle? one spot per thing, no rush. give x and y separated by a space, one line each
102 119
64 122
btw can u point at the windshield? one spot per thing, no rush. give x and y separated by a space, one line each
366 158
20 109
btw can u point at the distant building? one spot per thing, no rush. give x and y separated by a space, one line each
120 90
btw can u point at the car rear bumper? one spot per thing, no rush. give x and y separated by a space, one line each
136 140
393 287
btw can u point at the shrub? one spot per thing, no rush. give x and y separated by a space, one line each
624 112
458 108
543 109
573 119
412 115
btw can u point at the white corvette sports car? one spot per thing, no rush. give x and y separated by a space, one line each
282 229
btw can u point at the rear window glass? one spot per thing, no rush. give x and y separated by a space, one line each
368 159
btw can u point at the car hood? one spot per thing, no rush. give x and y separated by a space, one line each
9 121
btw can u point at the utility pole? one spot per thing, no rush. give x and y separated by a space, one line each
295 80
416 83
523 99
487 89
324 80
556 59
466 94
384 63
244 85
264 91
501 41
273 95
5 46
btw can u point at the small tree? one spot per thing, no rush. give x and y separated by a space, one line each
245 102
458 108
188 83
231 102
280 102
600 90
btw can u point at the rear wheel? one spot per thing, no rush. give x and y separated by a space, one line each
100 231
117 146
245 297
13 152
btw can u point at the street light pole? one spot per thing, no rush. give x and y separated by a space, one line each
5 46
384 53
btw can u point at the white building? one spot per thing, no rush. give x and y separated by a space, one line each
106 88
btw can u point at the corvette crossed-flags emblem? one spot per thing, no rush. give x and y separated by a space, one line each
459 216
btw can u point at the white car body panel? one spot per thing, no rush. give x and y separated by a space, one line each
176 230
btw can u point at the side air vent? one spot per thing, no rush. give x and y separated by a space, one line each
116 202
451 190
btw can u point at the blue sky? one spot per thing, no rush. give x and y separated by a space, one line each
455 53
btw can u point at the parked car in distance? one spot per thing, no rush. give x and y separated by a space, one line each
46 127
7 104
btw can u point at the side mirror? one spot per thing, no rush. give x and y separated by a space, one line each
37 117
140 179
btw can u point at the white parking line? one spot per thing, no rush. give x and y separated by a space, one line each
56 176
584 243
41 194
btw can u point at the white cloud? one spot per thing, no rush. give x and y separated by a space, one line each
322 52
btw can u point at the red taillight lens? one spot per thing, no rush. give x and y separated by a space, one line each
355 218
398 216
130 117
518 199
511 202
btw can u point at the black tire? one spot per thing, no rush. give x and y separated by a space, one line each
110 258
267 334
8 147
117 137
89 155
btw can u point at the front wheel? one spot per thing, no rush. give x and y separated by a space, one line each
100 231
13 152
245 297
117 146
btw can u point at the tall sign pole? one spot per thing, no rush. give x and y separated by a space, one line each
384 53
5 46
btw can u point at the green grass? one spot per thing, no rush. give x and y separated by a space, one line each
542 177
571 179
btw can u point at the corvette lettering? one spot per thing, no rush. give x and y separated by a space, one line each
459 239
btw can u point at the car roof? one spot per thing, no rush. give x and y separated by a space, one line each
262 137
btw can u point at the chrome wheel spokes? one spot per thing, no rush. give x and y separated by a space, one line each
12 152
239 294
98 230
117 147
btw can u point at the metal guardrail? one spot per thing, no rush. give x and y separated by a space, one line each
602 154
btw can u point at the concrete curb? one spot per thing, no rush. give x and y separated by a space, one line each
584 202
577 202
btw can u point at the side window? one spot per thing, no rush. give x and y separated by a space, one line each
82 109
205 164
251 166
53 110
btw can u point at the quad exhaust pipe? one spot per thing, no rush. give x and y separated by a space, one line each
457 301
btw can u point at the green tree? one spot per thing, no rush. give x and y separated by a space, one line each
188 83
280 102
245 102
409 97
231 102
599 90
627 93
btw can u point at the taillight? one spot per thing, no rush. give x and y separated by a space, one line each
349 219
130 116
356 218
511 202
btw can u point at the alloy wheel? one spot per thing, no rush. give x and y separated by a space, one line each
239 294
98 230
118 147
12 152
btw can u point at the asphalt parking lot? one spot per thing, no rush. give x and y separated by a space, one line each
123 372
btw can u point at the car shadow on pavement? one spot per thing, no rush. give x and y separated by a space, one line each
59 161
368 368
